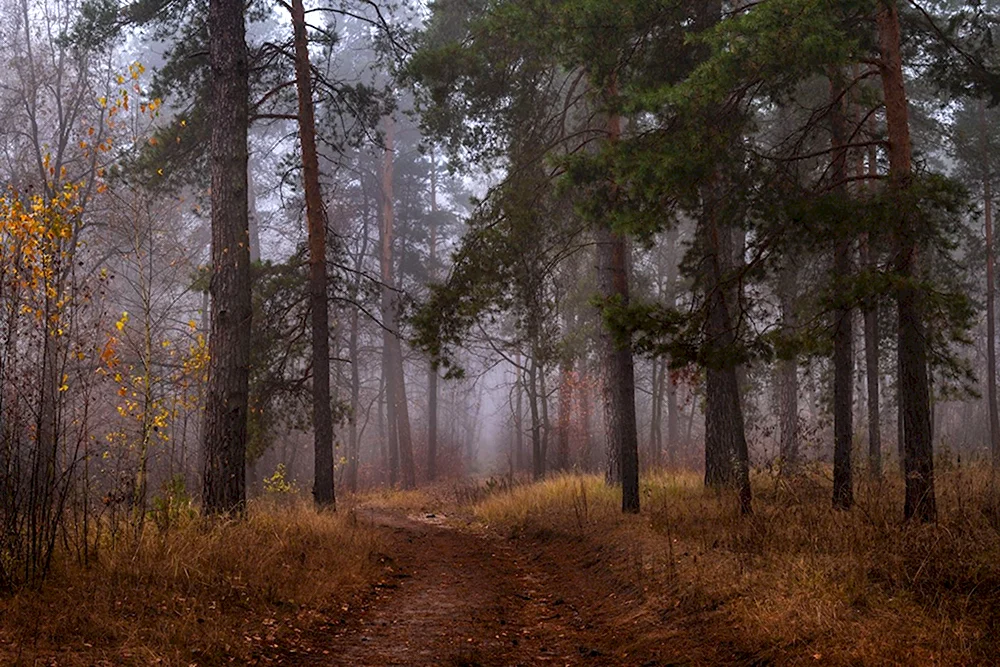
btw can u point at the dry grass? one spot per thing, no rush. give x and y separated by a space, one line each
198 593
797 583
398 500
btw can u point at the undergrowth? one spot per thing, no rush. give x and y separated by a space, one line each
798 582
199 592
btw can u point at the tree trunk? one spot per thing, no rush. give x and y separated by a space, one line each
546 424
843 331
727 460
225 431
383 435
918 452
872 376
673 414
655 413
389 372
432 373
399 421
253 215
900 426
406 463
872 345
619 373
537 462
991 336
788 377
353 442
323 492
518 417
586 418
565 414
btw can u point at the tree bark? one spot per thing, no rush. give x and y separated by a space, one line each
225 431
727 460
406 463
565 414
656 412
673 413
991 336
870 313
619 372
323 492
546 424
518 417
392 439
353 442
843 333
788 378
399 421
918 452
253 215
537 460
432 373
586 417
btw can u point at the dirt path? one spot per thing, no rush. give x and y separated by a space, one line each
453 597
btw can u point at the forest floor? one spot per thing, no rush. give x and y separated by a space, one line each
458 596
493 572
552 573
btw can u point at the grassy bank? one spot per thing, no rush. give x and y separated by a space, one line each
199 593
797 583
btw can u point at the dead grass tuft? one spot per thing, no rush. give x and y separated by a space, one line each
200 593
796 583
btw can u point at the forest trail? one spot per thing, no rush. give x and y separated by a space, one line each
459 598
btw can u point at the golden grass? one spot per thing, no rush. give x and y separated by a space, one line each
200 593
409 501
797 583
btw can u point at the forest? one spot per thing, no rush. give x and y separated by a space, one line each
499 332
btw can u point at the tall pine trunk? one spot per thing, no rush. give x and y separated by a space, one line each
353 350
353 441
918 451
727 460
388 306
323 492
673 410
432 373
397 411
991 336
843 332
872 347
658 370
870 313
225 430
403 433
788 377
587 421
565 414
619 373
537 460
518 416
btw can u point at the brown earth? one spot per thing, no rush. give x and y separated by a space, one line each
456 596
